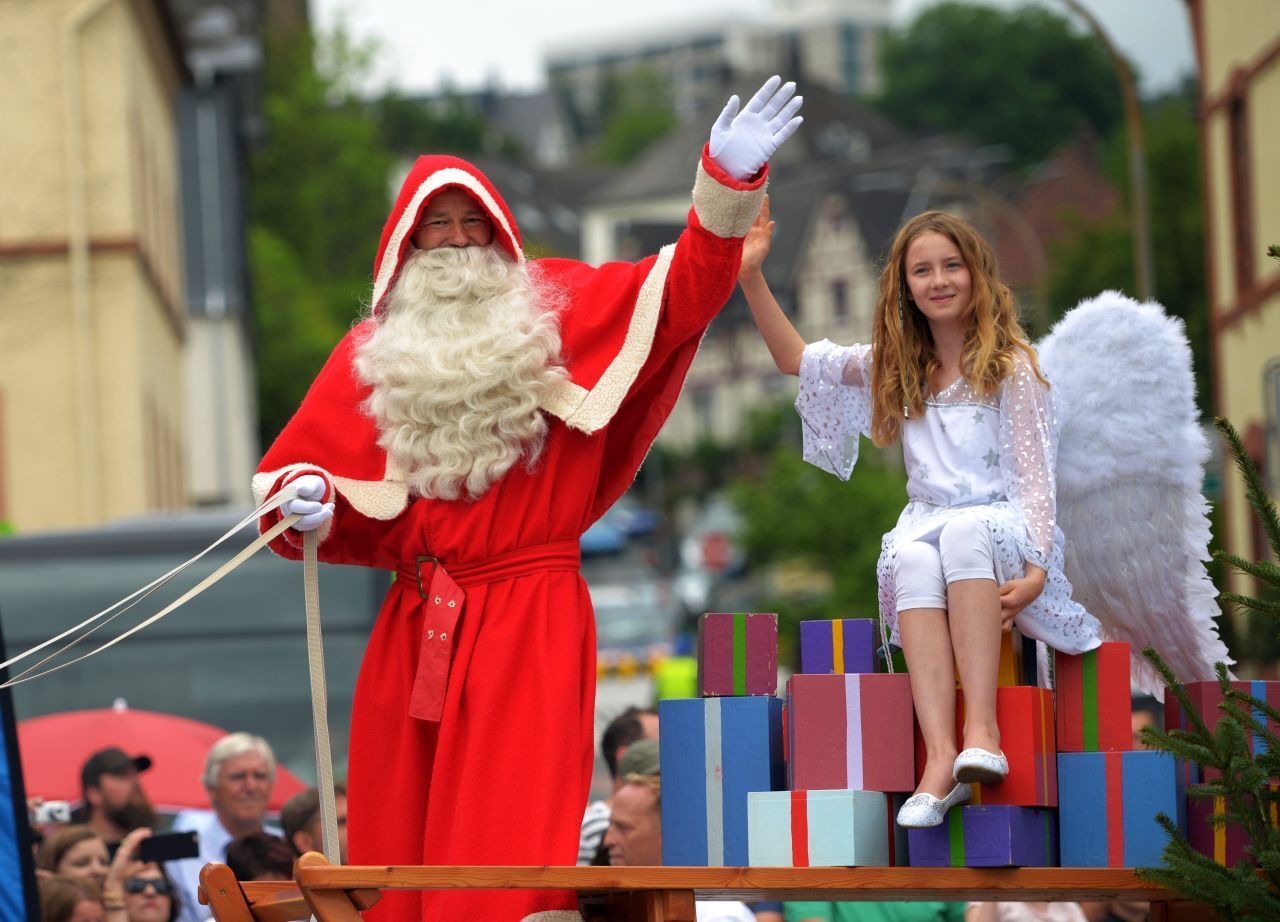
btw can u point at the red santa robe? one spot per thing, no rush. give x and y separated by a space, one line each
471 731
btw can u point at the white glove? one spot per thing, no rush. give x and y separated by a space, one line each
311 489
742 142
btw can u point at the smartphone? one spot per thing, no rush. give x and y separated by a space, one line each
52 811
169 846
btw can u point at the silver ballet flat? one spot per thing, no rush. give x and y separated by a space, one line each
977 766
924 810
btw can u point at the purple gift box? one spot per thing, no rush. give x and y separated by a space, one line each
997 836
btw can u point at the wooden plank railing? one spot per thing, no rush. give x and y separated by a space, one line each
662 894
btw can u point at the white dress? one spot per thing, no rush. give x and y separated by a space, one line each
989 457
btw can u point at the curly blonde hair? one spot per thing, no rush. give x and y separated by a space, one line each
902 350
457 365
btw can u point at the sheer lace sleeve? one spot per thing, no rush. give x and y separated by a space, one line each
834 404
1028 452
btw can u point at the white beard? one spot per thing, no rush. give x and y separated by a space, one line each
459 361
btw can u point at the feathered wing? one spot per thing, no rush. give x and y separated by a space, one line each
1130 465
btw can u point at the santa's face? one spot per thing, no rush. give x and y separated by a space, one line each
453 219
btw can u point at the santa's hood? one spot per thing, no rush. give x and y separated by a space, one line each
430 175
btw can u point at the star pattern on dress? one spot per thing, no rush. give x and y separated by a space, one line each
991 458
924 471
978 417
963 488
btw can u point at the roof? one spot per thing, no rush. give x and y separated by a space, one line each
837 129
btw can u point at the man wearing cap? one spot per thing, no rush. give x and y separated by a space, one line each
465 436
114 802
631 725
634 838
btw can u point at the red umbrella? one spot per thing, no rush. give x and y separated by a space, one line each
55 746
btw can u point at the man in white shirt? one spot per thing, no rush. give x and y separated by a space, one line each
239 773
635 830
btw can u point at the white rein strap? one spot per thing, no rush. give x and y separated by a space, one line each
315 648
35 672
319 700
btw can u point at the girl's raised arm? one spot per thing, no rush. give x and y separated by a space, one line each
785 344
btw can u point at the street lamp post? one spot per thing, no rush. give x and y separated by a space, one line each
1142 257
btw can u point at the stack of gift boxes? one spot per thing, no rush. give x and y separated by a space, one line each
818 782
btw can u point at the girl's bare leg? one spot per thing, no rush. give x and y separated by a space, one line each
930 664
974 606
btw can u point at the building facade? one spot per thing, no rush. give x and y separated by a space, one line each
1238 47
92 326
830 43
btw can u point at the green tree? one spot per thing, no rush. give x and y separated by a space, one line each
318 198
1249 889
1100 256
411 127
1022 77
635 111
795 515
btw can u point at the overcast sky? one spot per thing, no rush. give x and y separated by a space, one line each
427 45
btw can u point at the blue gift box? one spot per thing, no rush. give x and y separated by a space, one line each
714 751
1108 803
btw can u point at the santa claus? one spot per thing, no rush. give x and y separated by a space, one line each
465 435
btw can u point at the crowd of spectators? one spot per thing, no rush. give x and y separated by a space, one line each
90 869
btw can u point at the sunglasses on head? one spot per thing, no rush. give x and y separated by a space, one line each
140 884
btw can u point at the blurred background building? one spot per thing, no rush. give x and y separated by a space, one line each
829 43
94 325
1238 46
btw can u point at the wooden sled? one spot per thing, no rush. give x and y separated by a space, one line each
334 893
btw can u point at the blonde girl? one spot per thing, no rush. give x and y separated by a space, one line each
950 373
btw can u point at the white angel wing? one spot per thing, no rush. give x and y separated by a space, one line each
1130 465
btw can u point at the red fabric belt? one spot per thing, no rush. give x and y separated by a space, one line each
441 586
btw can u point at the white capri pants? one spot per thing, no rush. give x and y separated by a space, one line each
962 549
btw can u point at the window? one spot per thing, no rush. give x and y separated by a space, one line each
840 299
703 400
1271 444
1241 187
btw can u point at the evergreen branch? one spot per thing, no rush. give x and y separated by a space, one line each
1235 893
1262 606
1262 569
1254 488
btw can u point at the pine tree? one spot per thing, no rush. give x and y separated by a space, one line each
1251 889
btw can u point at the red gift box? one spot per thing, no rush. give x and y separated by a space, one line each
1024 714
1094 707
850 731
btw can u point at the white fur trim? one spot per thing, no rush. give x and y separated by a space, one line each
723 211
408 219
591 410
563 399
378 499
554 915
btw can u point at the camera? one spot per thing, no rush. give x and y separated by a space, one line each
53 811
